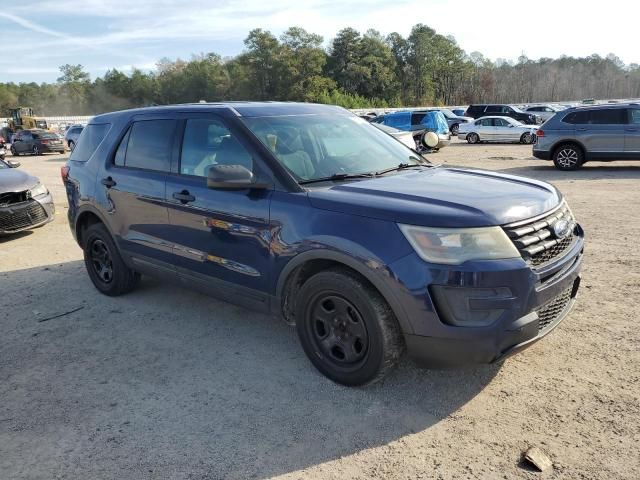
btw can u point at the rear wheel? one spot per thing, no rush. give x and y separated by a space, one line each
526 138
454 129
568 157
473 138
104 264
36 150
346 328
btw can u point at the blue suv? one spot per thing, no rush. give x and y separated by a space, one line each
310 213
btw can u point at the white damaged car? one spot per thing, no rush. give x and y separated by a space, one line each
497 129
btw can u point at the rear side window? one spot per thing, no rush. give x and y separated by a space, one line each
634 116
577 118
91 137
495 109
609 116
147 144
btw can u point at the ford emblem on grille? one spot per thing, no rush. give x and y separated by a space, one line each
561 228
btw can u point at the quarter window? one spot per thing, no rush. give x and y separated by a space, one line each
209 142
577 118
89 140
147 144
634 116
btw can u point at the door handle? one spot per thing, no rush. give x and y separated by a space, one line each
108 182
184 196
631 129
581 129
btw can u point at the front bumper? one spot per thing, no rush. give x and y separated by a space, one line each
538 301
33 213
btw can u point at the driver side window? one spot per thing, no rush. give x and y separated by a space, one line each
208 142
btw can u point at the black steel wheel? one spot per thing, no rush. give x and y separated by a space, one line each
101 260
346 327
108 272
338 330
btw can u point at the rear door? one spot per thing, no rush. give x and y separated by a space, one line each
486 130
134 183
220 237
604 135
632 133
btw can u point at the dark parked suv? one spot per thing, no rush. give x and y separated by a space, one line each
310 213
577 135
478 111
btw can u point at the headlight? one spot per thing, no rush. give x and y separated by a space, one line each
38 190
453 246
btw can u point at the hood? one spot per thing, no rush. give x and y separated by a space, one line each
14 180
465 119
441 197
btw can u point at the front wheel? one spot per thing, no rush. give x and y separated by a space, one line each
568 157
346 328
473 138
104 264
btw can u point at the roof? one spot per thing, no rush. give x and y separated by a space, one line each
242 109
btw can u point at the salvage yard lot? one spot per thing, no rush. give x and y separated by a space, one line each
168 383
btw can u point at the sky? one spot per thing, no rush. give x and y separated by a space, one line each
122 34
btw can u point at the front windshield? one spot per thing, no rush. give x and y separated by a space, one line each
516 109
320 146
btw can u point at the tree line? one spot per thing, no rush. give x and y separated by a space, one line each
356 70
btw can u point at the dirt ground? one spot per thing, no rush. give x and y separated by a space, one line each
166 383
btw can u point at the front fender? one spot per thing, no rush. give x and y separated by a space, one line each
365 263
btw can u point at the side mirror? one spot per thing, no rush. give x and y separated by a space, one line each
232 177
13 163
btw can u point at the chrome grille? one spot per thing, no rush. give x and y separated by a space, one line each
550 311
535 239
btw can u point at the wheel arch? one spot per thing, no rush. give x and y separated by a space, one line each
304 265
573 141
84 219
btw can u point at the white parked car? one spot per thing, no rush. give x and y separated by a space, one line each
400 135
497 129
545 112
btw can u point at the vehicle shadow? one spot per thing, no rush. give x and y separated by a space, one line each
15 236
588 171
165 381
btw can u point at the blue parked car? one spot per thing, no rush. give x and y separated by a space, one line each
310 213
420 123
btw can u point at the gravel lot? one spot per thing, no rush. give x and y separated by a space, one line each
165 383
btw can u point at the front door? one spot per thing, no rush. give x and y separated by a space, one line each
632 134
220 237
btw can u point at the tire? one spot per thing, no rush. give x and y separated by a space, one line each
454 129
526 138
72 145
104 264
473 138
36 150
14 151
346 328
568 157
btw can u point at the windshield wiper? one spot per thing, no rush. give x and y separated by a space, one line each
401 166
337 176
